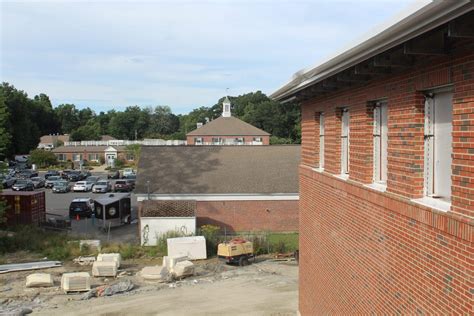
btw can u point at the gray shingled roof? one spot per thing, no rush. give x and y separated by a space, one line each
227 126
218 169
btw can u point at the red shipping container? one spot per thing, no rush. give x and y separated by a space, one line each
24 208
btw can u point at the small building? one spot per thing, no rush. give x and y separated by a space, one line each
24 208
97 154
49 142
158 217
238 188
227 130
387 169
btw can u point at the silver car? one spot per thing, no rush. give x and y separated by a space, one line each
102 186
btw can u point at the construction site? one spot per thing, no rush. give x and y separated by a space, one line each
267 286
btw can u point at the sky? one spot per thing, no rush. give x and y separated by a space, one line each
185 54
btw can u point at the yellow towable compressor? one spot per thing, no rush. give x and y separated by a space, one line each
238 250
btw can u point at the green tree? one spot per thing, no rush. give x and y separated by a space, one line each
68 117
5 136
22 120
134 150
162 122
43 158
130 123
90 131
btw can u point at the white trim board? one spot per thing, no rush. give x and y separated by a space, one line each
222 197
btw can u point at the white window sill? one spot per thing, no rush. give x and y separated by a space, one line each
320 170
434 203
344 176
382 187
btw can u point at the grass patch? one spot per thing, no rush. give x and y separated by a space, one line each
283 242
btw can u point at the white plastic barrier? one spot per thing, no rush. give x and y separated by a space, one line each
192 247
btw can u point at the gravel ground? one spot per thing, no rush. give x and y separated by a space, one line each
263 288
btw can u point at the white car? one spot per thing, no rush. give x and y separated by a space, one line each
127 172
82 186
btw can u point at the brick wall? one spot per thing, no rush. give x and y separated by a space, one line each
363 251
249 215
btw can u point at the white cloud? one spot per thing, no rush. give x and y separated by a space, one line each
179 53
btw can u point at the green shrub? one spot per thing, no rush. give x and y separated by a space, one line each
211 233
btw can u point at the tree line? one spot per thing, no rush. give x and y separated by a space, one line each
23 120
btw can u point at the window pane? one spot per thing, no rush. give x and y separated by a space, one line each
443 109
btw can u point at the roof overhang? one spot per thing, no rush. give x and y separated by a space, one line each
418 23
220 197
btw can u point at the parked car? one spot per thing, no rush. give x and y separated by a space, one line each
122 186
23 185
65 174
82 186
113 175
102 186
93 179
27 174
81 207
127 172
131 179
61 187
85 174
75 176
51 180
51 173
38 182
7 181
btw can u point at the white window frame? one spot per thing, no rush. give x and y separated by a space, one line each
61 157
95 157
380 143
198 141
258 139
75 156
321 140
239 140
438 145
218 142
345 142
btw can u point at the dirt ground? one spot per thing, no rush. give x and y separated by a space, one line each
263 288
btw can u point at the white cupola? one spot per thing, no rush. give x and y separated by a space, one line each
226 107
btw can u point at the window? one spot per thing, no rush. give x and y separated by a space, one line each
345 141
198 141
130 157
76 157
380 140
257 139
61 157
239 140
216 140
438 145
93 157
321 140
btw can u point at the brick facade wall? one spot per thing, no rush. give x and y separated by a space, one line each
208 139
363 251
278 216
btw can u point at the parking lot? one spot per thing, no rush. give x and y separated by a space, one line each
57 204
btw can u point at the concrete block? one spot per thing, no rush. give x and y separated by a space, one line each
104 269
155 273
193 247
76 282
39 280
115 257
170 262
183 269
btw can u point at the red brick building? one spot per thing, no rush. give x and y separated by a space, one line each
227 130
387 170
238 188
